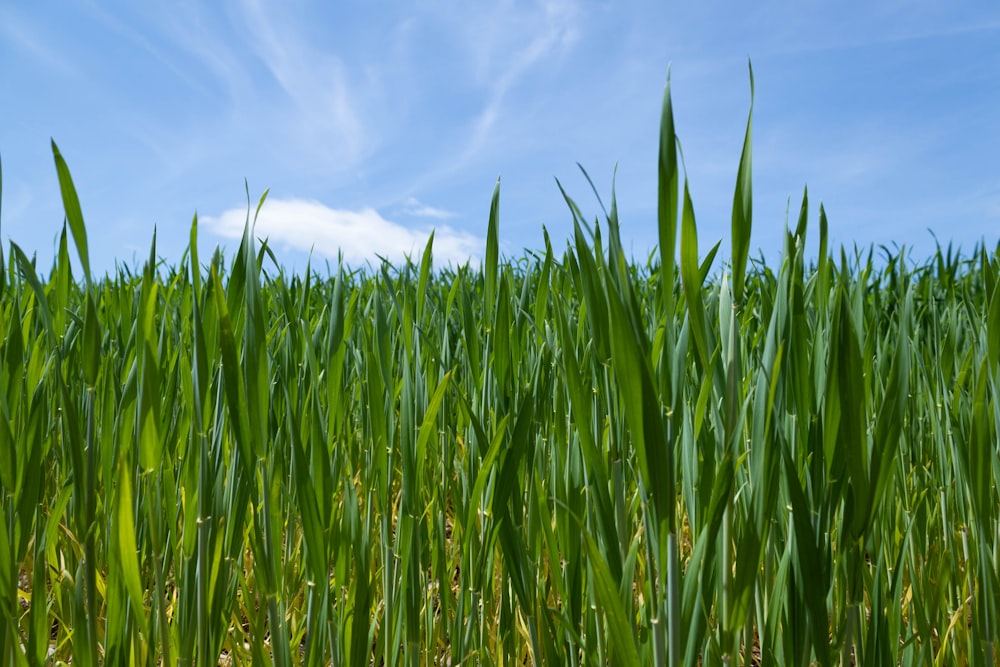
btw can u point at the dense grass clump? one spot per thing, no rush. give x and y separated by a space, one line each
564 459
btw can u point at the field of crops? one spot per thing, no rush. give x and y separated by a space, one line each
562 458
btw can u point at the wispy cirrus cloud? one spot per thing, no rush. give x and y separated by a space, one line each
507 52
361 235
509 37
504 42
314 77
26 35
548 30
418 209
204 35
273 80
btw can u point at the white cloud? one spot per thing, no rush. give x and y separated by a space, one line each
418 209
361 236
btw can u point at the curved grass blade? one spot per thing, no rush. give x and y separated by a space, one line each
74 215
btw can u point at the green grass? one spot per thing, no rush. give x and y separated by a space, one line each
565 458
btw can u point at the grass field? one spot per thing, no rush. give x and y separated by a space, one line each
562 458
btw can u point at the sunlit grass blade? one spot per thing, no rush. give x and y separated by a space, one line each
743 206
492 253
667 201
74 215
692 282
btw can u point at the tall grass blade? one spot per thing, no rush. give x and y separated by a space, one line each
74 215
743 206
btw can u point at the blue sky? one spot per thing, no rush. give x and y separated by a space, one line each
372 123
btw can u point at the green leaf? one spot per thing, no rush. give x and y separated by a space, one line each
425 270
492 254
891 416
316 554
743 206
150 442
993 330
8 456
623 646
28 272
692 282
235 394
809 570
74 215
593 294
193 248
848 367
429 425
3 273
128 550
91 343
643 411
667 203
